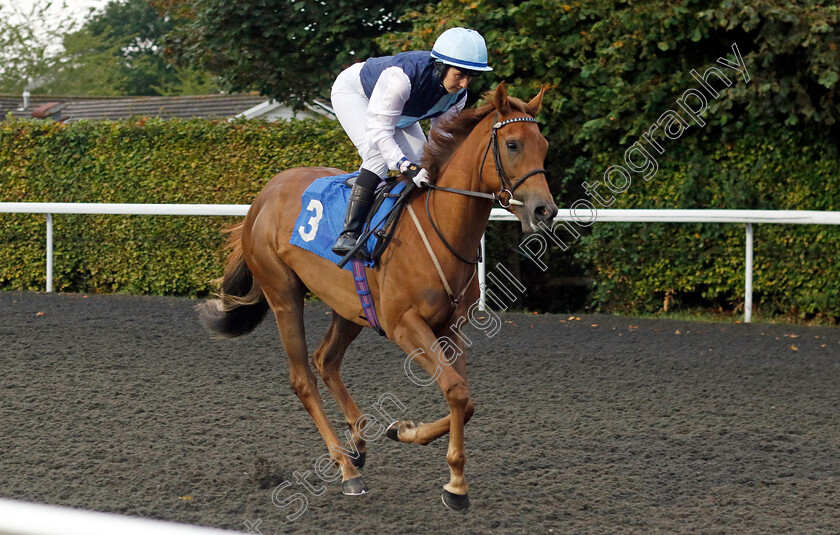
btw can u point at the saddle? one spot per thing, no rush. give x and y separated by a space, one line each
321 218
383 228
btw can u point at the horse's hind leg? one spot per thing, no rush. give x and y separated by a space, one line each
327 360
285 296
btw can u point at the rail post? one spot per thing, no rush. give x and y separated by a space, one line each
748 282
49 253
482 278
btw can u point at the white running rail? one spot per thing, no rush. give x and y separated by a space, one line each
24 518
746 217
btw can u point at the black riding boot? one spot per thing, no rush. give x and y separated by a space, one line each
361 197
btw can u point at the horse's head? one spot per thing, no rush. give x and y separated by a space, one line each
513 163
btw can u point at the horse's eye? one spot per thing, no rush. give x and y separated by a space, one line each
511 146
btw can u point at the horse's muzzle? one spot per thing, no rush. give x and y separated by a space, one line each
533 212
545 213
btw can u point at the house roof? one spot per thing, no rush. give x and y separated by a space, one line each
185 107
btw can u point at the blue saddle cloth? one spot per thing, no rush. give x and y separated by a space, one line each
321 217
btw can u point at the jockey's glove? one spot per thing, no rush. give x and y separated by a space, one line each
417 174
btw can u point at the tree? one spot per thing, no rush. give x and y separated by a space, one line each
288 50
612 64
28 54
88 66
117 52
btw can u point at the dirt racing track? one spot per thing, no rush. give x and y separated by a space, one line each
590 424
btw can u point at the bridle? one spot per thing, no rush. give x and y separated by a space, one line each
506 188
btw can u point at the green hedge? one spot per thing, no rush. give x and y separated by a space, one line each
634 266
142 161
796 267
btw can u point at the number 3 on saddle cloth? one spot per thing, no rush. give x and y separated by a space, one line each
321 220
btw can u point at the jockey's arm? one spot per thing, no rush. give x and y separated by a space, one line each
387 100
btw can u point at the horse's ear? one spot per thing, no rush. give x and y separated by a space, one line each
536 102
500 101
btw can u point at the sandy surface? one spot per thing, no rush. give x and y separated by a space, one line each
592 425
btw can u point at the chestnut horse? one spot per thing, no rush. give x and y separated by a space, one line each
414 304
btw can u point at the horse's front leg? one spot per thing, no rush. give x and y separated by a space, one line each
425 433
413 334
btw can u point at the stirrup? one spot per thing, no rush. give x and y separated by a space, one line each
345 242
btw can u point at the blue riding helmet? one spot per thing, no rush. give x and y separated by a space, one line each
462 48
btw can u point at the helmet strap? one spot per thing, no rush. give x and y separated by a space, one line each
440 69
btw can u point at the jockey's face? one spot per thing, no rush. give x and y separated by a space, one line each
455 80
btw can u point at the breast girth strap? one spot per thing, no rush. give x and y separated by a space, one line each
452 299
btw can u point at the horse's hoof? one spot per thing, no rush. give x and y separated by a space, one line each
354 487
359 462
456 502
393 431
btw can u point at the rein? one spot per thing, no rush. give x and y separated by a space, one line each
506 187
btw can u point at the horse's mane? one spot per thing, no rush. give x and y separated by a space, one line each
448 136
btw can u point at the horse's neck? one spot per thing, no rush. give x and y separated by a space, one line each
462 219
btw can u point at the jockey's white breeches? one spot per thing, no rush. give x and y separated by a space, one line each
351 104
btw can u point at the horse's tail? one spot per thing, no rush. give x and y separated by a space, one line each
241 305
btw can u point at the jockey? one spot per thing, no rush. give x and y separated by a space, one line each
380 101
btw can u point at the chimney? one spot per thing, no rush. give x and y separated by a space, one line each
50 110
25 100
